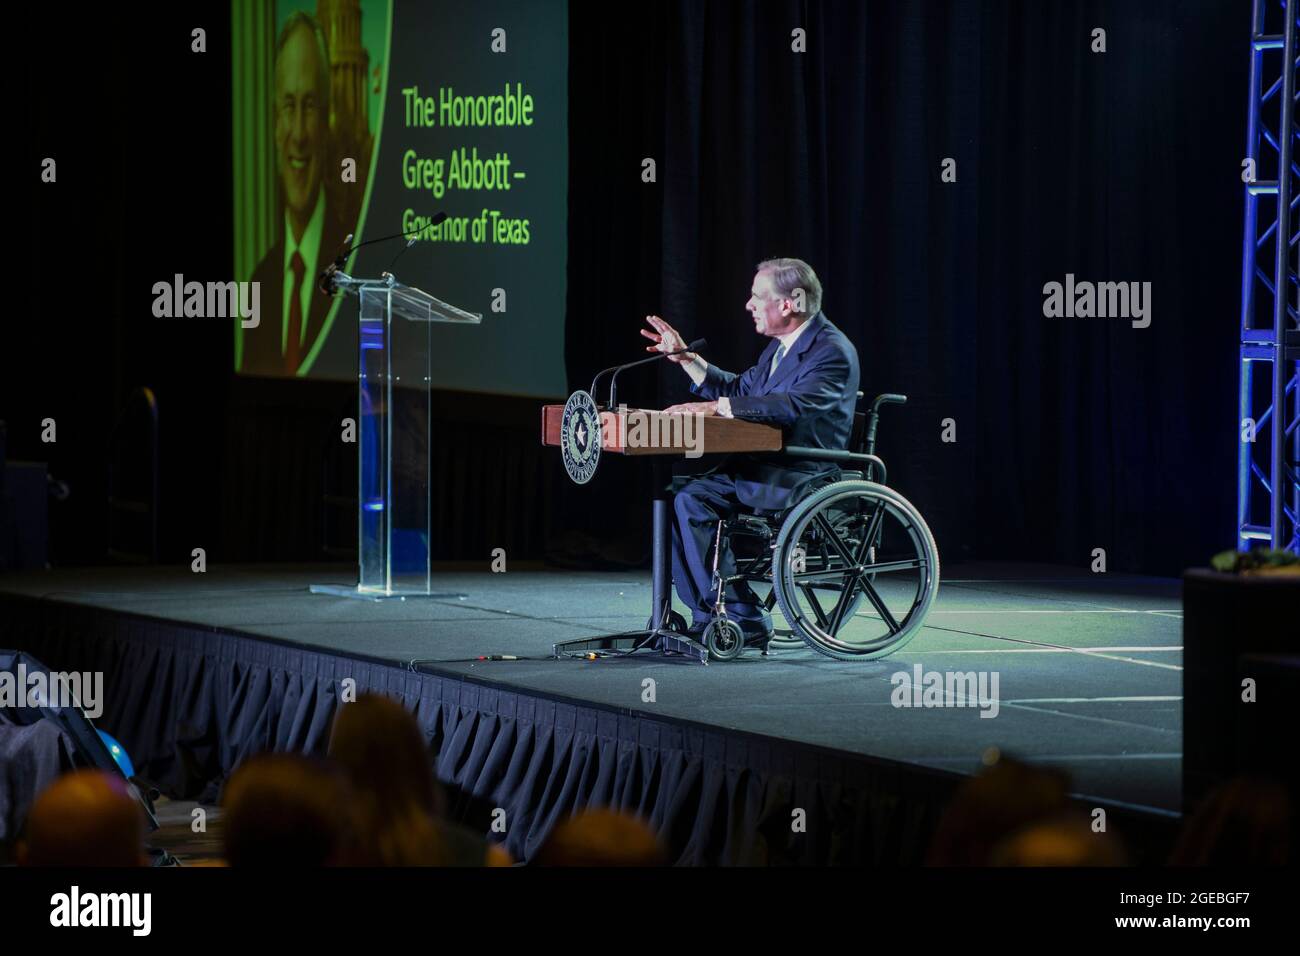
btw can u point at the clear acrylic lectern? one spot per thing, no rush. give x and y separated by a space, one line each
394 486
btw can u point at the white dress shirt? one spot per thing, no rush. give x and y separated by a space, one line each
699 368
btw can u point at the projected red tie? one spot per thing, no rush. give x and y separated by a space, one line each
295 315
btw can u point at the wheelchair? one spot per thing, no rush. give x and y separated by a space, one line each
851 563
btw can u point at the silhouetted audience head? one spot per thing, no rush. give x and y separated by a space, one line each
989 808
287 810
85 818
601 838
385 755
1247 821
1067 840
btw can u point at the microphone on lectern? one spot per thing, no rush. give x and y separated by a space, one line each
695 346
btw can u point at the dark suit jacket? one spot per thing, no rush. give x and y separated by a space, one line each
262 344
812 398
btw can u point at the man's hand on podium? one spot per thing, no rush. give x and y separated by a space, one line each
693 408
666 339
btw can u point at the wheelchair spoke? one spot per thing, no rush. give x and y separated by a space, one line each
814 604
833 537
825 576
846 598
871 534
907 564
881 609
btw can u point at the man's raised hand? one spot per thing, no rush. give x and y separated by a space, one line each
666 339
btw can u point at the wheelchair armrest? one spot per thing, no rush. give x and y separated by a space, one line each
839 457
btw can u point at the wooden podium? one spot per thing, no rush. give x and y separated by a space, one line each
717 435
622 433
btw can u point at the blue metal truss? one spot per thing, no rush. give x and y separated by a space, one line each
1268 468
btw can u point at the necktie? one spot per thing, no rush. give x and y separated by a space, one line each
776 359
295 315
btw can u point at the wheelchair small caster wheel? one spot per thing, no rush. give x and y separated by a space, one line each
724 639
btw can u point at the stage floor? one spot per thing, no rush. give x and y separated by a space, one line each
1089 666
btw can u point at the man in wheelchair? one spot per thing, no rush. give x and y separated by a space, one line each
806 383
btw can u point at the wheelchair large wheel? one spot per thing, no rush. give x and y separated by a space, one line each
855 570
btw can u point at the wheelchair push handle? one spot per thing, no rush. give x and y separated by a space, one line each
889 398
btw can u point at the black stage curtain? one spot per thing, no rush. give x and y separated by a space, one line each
190 704
1072 434
288 489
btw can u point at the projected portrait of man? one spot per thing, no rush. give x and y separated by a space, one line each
293 309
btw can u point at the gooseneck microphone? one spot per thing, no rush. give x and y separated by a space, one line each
326 282
695 346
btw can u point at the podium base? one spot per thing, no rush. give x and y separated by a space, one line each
658 634
352 591
659 639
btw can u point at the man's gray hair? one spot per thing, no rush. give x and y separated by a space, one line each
789 275
305 21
